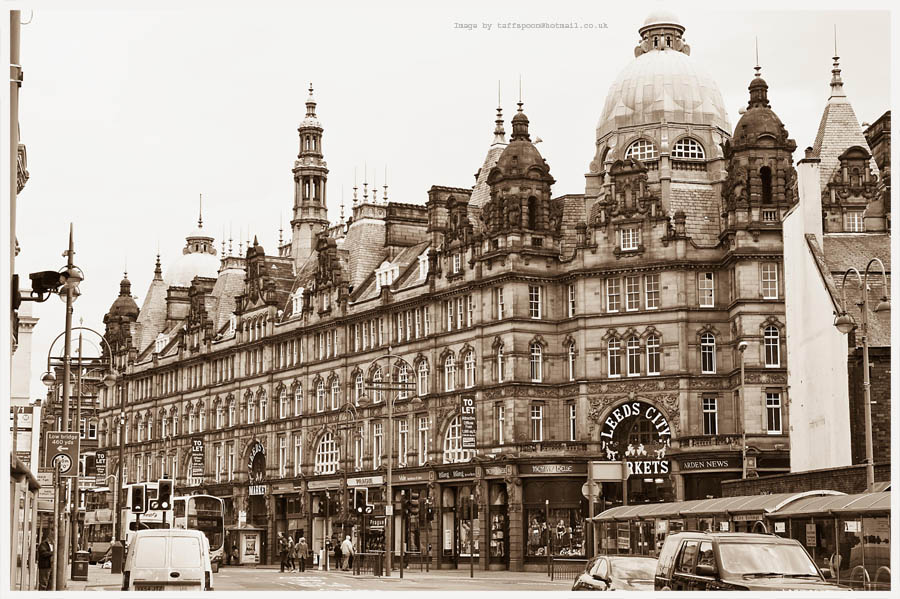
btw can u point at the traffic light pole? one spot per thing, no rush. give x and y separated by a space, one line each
471 535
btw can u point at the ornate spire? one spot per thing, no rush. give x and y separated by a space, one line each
157 272
355 188
366 182
837 84
384 197
499 133
311 103
200 216
342 203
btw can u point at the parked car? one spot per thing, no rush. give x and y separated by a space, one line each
698 561
617 573
168 560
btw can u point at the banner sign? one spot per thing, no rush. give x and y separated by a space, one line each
647 467
197 457
468 422
100 463
257 489
62 449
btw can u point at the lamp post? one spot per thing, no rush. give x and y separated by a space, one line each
845 323
389 500
742 347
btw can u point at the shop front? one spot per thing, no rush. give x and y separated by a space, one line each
460 527
703 475
288 515
366 531
497 517
639 433
324 513
554 511
414 527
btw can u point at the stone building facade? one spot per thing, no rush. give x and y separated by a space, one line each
596 326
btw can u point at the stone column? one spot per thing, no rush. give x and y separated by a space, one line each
514 510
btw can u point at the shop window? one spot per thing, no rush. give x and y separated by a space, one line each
558 530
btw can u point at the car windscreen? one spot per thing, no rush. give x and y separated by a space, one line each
186 552
761 558
150 552
634 569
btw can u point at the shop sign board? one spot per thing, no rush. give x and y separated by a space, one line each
365 481
257 489
780 526
62 450
746 517
468 422
466 472
708 463
496 471
608 471
410 477
553 468
851 526
810 535
647 467
197 455
318 485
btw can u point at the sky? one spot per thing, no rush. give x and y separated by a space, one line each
130 112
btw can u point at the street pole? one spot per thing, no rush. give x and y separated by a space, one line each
120 485
67 372
325 529
76 491
57 499
472 535
741 348
590 528
389 526
870 465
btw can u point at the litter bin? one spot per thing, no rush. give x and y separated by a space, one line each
118 557
80 565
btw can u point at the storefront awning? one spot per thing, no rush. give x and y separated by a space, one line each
745 504
836 506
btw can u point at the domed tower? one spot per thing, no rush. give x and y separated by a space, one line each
310 175
520 191
198 259
666 113
761 181
120 319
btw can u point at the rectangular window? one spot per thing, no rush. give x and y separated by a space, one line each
853 221
459 312
572 421
632 293
769 275
537 423
500 303
612 295
377 444
500 420
426 320
630 238
470 310
710 418
358 451
423 440
282 456
229 462
651 291
402 442
707 296
457 263
653 354
614 351
773 413
571 300
298 453
418 323
448 305
408 324
218 471
534 301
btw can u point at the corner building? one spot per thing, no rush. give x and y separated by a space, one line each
595 326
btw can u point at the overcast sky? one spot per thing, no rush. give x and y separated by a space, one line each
129 115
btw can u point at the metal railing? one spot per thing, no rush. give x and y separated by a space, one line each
369 562
562 568
412 560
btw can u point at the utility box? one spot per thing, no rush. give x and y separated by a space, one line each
80 565
118 557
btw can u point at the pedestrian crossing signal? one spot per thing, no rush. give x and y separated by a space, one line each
360 500
139 499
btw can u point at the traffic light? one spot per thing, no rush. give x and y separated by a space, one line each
404 502
429 508
139 499
413 504
164 494
360 499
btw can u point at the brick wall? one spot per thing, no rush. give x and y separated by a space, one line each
880 385
849 479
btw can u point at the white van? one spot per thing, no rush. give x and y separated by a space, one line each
168 560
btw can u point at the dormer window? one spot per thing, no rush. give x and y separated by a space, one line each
297 302
457 263
688 148
642 149
161 342
232 324
630 238
423 265
386 273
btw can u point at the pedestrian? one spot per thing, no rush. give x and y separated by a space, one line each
282 550
347 551
337 554
45 563
295 553
290 553
302 553
235 560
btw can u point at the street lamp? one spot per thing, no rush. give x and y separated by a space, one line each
742 347
398 387
845 323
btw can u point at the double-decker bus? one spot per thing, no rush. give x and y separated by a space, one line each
205 513
132 522
97 533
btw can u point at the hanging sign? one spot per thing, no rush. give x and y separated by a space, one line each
468 422
100 462
197 457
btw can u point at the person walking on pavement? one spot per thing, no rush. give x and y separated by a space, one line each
302 553
45 563
337 554
347 551
282 550
290 554
295 552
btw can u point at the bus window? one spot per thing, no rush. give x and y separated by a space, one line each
179 508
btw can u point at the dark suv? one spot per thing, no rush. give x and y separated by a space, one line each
704 561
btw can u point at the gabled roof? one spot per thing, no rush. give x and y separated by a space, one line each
229 285
700 205
839 129
152 317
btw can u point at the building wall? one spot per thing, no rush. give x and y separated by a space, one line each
880 386
846 479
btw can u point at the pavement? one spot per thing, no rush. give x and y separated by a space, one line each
242 578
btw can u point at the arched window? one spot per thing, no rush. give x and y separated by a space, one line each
320 396
633 349
327 455
403 377
335 394
642 149
149 427
453 451
570 360
192 424
263 407
469 367
220 416
687 147
642 432
298 399
772 340
359 388
423 378
449 373
377 394
164 425
652 354
201 410
613 352
532 212
765 175
251 410
284 404
537 366
231 412
499 363
707 353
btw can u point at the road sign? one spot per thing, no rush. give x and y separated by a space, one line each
595 490
62 449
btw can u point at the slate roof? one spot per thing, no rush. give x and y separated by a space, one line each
701 208
152 317
481 193
839 129
229 285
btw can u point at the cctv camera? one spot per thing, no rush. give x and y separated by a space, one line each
742 346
